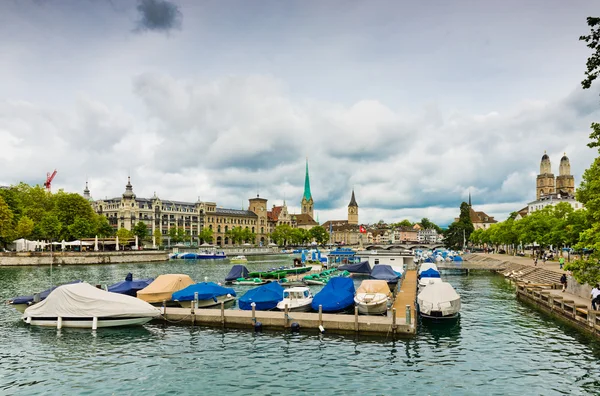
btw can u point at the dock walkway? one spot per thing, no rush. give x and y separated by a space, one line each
406 296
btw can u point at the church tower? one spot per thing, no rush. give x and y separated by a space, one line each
352 210
565 182
307 203
545 180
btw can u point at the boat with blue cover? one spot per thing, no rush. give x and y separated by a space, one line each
236 272
129 286
336 296
386 273
362 268
210 294
22 302
265 297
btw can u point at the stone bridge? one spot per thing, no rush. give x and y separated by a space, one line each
404 246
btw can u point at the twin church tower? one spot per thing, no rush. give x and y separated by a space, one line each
547 184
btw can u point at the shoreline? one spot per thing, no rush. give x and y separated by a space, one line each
25 259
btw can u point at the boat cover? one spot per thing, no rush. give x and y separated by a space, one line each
439 297
384 272
265 297
426 266
82 300
358 268
374 286
430 273
129 286
163 287
237 271
337 295
43 295
205 290
458 258
429 260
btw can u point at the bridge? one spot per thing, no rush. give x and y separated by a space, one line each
404 246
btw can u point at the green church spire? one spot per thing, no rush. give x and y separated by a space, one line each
307 194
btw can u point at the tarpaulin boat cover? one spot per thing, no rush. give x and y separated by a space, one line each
337 295
439 297
237 271
430 273
384 272
426 266
359 268
374 286
82 300
130 286
429 260
265 297
163 287
458 258
43 295
205 290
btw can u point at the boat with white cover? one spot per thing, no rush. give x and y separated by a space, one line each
297 299
372 297
85 306
438 301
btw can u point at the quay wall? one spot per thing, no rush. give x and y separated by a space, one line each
81 258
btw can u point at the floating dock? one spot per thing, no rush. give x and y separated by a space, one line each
404 303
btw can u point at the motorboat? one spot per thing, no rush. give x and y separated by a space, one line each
210 255
163 287
386 273
239 259
438 301
85 306
236 272
21 303
424 282
362 268
427 265
130 286
296 299
250 282
336 296
209 294
372 297
264 297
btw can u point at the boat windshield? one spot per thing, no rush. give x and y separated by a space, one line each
305 293
286 294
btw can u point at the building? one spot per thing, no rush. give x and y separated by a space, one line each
480 220
162 215
346 232
428 236
306 219
405 235
279 215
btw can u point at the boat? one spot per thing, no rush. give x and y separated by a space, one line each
372 297
250 281
264 297
239 259
85 306
386 273
21 303
297 299
323 277
130 286
362 268
424 282
210 255
163 287
209 295
336 296
438 301
237 271
427 265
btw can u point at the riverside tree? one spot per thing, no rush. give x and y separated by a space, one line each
319 234
461 230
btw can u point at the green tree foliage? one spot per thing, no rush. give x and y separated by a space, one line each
593 42
461 230
282 234
141 230
24 227
6 223
50 227
125 236
80 228
206 235
176 234
403 223
158 237
320 234
428 224
103 228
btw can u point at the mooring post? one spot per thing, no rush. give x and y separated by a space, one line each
223 313
165 310
195 301
320 315
408 319
286 316
356 319
394 319
253 312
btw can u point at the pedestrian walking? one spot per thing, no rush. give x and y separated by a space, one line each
563 282
535 261
561 262
595 296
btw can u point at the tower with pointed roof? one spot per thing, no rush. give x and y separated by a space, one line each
545 180
565 182
86 193
352 210
307 203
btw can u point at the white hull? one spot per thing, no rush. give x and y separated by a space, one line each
433 317
87 323
371 304
295 306
208 303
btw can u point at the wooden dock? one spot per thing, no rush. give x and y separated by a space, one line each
406 296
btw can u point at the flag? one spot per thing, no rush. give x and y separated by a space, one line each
362 230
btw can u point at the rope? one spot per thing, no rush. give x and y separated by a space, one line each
175 321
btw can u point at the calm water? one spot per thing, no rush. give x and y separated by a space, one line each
499 347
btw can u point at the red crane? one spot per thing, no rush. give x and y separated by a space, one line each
49 178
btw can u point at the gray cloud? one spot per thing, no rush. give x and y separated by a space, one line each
158 15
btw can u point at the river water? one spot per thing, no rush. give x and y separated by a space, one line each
499 346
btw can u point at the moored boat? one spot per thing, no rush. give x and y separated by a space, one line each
21 303
438 301
85 306
264 297
372 297
163 287
236 272
297 299
385 273
363 268
336 296
239 259
209 295
130 286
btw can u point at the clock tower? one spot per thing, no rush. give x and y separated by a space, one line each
352 210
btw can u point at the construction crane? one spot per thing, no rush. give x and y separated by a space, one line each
49 178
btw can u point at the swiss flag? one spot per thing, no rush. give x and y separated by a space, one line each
362 230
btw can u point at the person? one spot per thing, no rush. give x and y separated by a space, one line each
544 259
563 282
535 261
561 262
595 296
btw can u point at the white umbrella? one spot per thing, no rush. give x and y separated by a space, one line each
63 244
117 243
96 243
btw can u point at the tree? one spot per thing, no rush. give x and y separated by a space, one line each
403 223
157 237
24 227
282 234
460 231
50 227
428 224
6 223
125 236
103 228
141 230
593 42
206 235
320 234
81 228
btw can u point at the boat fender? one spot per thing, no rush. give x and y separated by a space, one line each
321 329
295 327
258 327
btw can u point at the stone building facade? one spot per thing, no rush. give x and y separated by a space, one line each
346 232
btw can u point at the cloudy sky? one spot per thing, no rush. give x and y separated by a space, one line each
411 103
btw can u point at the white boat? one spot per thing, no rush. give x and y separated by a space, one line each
423 282
297 299
438 301
85 306
239 260
372 297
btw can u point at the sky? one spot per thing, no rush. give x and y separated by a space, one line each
411 104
